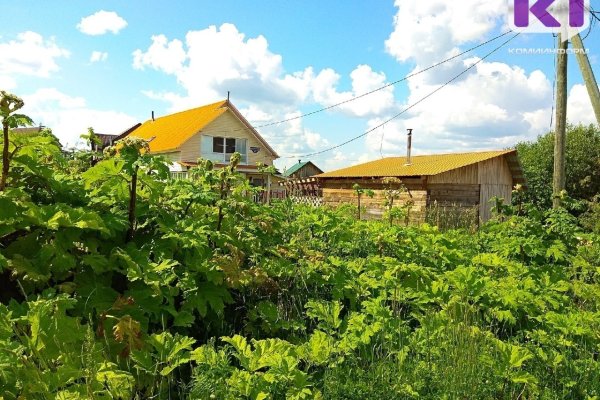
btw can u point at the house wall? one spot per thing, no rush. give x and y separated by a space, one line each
173 156
339 191
305 172
495 179
229 126
472 185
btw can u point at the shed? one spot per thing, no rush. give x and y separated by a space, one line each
302 170
459 179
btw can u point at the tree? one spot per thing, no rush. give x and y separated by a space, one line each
582 165
9 104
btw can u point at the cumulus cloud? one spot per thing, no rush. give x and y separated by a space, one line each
162 55
495 102
292 138
215 60
431 30
29 55
98 56
101 23
69 116
364 80
579 106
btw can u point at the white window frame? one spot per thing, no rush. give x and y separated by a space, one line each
207 146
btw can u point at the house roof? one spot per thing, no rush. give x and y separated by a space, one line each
296 167
169 132
420 165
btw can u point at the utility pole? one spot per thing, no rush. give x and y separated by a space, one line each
588 75
561 121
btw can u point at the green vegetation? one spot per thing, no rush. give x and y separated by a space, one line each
582 165
118 283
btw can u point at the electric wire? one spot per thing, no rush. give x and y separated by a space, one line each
410 106
385 86
360 96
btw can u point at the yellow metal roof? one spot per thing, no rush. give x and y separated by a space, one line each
171 131
420 166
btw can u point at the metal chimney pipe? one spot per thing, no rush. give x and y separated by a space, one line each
409 147
152 115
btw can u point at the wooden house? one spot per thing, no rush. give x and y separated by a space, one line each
106 140
302 170
463 180
214 132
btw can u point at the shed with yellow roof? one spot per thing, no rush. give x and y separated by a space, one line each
464 180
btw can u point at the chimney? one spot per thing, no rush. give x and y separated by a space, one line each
408 147
152 115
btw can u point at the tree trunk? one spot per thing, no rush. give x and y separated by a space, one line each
5 158
132 204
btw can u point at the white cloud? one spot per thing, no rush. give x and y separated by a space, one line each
29 55
101 23
214 60
364 80
98 56
292 137
161 55
494 107
579 106
430 30
69 116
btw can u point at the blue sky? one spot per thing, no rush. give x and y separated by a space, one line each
109 64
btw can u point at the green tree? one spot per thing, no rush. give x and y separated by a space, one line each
582 164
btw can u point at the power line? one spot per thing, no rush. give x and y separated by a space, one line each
385 86
410 106
374 90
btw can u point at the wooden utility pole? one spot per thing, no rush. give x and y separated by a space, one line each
561 121
588 75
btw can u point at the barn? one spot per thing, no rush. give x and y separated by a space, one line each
452 180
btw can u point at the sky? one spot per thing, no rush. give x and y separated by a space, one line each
109 64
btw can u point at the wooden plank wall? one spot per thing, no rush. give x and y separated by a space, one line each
447 194
228 126
339 191
468 175
496 180
306 172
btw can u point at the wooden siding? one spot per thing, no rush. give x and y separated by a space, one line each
174 156
467 175
339 191
229 126
306 172
473 185
371 183
374 207
447 194
496 179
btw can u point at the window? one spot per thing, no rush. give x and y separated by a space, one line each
219 149
179 175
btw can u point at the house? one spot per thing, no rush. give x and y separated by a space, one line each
302 170
461 179
214 132
106 140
